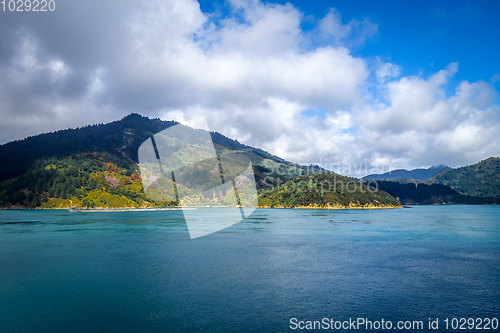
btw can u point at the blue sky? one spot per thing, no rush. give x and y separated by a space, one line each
381 84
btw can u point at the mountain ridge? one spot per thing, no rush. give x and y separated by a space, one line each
123 136
418 174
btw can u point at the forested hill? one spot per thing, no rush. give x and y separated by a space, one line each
325 190
120 138
481 179
97 166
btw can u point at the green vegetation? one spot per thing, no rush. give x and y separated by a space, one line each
96 180
120 139
84 181
481 179
96 167
324 190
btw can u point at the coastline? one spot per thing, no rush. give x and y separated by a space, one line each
126 209
353 207
335 207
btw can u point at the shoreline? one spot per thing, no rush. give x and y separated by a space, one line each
103 210
125 209
114 210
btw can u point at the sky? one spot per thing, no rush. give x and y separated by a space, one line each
353 86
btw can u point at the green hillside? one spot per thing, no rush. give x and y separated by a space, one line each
97 166
325 190
481 179
84 181
120 139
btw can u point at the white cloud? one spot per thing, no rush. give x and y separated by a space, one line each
420 123
58 69
26 62
96 84
353 33
387 71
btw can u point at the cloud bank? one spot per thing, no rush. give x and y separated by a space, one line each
254 73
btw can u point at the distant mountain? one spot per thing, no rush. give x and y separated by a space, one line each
419 174
481 179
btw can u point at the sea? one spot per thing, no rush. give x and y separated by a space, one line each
278 270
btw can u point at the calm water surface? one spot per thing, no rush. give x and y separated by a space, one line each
140 271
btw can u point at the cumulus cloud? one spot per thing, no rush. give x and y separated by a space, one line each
420 123
355 32
387 71
254 73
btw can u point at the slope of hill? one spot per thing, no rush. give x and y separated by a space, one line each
481 179
119 138
419 174
325 190
96 166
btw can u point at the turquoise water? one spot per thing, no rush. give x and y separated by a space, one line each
140 271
